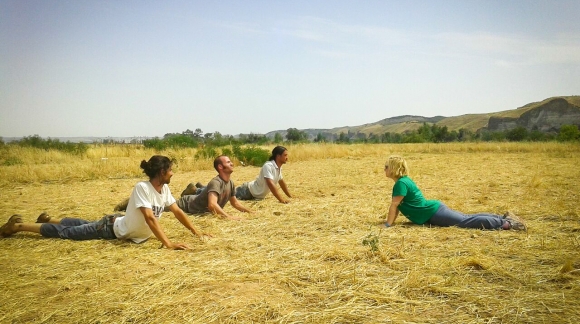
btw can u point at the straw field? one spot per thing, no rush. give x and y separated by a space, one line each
304 262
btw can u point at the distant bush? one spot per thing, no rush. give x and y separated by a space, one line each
227 152
155 143
251 155
207 152
568 133
52 144
12 161
178 141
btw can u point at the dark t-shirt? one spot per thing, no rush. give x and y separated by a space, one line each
195 204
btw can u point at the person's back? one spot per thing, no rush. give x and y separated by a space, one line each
195 204
258 187
132 226
414 206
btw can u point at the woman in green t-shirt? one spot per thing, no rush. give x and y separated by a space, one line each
408 199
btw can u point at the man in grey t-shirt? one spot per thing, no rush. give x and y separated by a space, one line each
211 198
216 194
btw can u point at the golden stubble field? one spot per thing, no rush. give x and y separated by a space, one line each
305 262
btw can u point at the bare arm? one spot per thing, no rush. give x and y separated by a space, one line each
284 188
183 219
237 205
274 191
155 227
393 209
214 207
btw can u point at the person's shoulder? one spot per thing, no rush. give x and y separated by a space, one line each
405 180
145 185
270 165
215 179
166 189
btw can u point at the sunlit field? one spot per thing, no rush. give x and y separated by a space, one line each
303 262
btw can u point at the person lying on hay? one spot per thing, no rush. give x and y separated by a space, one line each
408 199
270 175
147 202
211 198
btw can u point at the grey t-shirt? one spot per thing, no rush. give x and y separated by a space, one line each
197 204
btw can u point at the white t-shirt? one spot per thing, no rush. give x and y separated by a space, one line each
259 188
132 226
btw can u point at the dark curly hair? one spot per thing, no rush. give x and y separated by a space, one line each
155 165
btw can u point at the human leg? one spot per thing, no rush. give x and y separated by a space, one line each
15 224
122 206
243 192
189 190
80 229
45 218
446 216
184 202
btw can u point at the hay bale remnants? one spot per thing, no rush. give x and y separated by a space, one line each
305 262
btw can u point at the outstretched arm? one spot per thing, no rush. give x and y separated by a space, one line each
274 191
237 205
155 227
284 188
393 210
183 219
215 208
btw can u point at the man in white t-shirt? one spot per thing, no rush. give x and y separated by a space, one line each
270 175
146 204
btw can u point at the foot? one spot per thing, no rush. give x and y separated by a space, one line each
516 223
122 206
43 218
8 228
198 185
191 189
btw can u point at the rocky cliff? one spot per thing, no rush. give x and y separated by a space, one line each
548 117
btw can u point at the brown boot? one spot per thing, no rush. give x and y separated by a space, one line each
516 223
191 189
8 228
122 206
43 218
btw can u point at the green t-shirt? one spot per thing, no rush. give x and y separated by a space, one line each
414 206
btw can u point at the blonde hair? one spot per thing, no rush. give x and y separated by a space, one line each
397 166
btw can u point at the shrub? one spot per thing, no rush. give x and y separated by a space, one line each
226 151
207 152
251 155
12 161
568 133
155 143
52 144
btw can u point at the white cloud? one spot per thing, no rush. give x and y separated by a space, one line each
511 50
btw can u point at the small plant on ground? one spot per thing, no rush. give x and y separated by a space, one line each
372 240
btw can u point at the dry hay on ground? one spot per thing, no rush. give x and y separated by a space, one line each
305 262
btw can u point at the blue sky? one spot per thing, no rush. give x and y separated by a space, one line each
146 68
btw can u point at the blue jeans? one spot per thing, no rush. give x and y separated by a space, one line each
243 192
445 216
80 229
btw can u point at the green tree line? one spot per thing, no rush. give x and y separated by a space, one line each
441 134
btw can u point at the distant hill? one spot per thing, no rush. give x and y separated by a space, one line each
547 115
